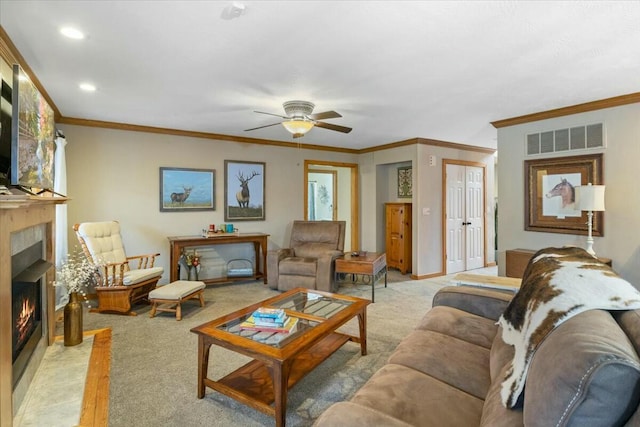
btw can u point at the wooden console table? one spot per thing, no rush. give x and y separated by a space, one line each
259 240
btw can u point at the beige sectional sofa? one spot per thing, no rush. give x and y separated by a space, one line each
449 370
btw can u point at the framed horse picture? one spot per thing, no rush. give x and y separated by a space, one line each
550 204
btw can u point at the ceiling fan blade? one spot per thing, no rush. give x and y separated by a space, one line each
271 114
330 126
260 127
325 115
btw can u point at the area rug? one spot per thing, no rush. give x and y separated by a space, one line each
154 360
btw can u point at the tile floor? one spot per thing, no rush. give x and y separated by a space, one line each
54 398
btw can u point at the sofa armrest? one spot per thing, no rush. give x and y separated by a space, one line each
325 280
483 302
274 257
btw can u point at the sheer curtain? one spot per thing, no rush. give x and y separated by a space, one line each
60 186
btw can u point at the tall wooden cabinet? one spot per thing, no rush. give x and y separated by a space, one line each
398 236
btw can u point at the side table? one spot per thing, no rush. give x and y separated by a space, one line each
366 263
517 260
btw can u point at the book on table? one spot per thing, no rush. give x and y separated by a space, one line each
270 321
251 325
269 313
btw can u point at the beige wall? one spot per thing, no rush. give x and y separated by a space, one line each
379 178
114 174
621 241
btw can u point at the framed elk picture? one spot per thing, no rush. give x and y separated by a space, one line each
187 189
244 197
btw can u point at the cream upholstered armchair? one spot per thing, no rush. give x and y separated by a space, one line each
309 261
124 280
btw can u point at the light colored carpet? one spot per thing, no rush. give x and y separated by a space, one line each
154 361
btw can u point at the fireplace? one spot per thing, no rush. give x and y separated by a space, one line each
23 224
28 269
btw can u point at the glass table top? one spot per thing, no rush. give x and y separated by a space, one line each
308 307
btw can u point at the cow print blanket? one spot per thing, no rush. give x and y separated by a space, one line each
557 284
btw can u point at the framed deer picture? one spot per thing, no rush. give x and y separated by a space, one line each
187 189
244 195
550 203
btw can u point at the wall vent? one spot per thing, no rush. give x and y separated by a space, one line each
560 140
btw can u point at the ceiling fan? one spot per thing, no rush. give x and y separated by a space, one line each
299 119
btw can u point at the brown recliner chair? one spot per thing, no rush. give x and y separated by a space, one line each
309 261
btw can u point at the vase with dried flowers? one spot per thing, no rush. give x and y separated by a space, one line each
75 274
192 262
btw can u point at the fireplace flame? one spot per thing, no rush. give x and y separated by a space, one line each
25 318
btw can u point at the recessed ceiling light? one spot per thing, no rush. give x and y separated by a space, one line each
87 87
72 33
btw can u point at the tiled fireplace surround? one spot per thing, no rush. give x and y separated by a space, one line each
21 227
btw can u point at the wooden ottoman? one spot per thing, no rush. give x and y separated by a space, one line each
174 294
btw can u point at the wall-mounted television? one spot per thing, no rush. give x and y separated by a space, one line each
33 133
5 133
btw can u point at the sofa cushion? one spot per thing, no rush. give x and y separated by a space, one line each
484 302
348 414
501 355
315 231
417 399
104 241
629 321
297 266
176 290
314 250
460 324
592 371
133 277
494 413
286 282
453 361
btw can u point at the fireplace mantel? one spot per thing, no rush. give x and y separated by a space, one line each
16 215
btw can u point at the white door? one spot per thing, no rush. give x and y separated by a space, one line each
475 217
464 218
455 218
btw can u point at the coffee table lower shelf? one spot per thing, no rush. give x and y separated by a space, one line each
252 384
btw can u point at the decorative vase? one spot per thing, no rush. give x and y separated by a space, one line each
73 321
193 273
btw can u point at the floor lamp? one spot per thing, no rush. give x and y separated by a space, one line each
590 198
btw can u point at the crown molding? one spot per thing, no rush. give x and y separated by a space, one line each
615 101
428 141
246 140
194 134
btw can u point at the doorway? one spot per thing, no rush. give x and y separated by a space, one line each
322 200
464 219
345 206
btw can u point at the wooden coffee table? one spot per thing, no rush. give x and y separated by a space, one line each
367 263
280 360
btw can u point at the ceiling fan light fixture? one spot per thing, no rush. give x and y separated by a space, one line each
297 126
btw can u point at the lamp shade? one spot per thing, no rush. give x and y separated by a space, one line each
297 127
590 197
